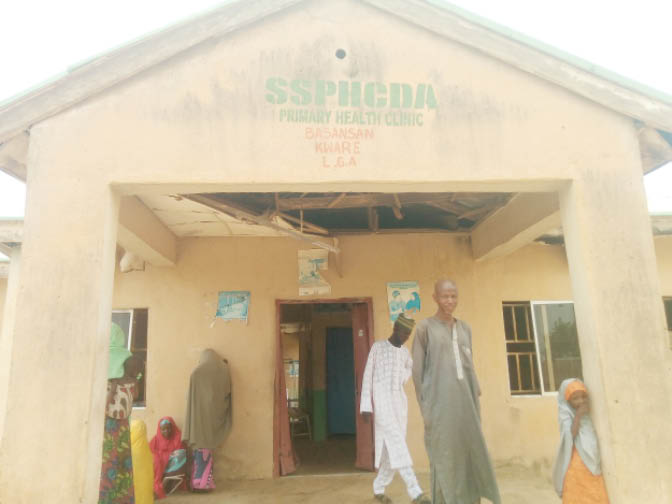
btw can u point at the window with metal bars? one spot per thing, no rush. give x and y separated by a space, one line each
521 349
542 345
134 324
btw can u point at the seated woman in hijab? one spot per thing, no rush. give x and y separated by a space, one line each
170 458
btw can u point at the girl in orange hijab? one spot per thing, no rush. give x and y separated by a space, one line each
577 474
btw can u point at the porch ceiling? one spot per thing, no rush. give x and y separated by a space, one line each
322 214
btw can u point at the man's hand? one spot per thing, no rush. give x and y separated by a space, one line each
366 415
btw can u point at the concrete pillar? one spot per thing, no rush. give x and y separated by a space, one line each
624 346
7 332
51 450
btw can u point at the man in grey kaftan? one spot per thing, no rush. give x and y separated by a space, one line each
448 393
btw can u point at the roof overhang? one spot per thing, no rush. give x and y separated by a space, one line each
655 149
13 155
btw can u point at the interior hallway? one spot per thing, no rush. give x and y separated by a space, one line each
516 484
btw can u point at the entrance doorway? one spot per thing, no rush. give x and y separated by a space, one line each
322 347
340 382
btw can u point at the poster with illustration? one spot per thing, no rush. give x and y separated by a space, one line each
311 282
403 297
233 305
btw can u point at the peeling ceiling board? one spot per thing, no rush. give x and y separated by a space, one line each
186 218
336 213
326 214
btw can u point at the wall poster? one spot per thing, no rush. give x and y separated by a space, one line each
311 282
403 297
233 305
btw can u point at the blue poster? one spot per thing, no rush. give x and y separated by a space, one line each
233 305
403 297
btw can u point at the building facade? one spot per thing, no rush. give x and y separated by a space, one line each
364 98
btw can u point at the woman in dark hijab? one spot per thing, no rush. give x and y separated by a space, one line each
208 418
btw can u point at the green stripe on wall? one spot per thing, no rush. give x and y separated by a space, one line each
306 401
319 414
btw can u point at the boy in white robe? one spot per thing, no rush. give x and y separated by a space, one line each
388 368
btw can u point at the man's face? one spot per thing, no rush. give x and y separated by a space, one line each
401 334
446 298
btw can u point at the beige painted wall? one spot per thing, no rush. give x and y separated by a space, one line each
664 258
181 304
8 295
522 428
663 246
3 291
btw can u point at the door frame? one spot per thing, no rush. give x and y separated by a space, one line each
368 301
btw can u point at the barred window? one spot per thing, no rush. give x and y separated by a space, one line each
542 345
134 324
520 349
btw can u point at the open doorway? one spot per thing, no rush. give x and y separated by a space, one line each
323 345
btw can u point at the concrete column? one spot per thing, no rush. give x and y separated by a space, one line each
624 346
51 450
7 332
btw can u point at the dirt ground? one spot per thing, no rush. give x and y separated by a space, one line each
516 484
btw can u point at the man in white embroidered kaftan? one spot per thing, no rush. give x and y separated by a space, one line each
448 393
388 368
